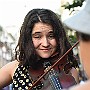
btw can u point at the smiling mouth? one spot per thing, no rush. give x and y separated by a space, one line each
45 49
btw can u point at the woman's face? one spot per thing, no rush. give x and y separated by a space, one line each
43 40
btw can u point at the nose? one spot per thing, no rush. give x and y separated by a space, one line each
45 42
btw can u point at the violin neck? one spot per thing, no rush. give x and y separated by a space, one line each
54 80
53 77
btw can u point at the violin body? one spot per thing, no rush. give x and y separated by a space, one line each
65 78
64 66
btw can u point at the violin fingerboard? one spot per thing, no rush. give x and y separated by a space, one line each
54 80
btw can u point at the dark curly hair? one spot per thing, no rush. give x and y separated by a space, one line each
25 51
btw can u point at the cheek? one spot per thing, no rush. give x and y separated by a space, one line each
35 43
54 44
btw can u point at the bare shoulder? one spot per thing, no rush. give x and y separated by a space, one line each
8 71
10 67
11 64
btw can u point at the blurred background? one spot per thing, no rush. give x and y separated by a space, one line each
12 13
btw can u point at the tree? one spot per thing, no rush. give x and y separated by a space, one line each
74 4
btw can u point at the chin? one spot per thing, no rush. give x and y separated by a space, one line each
46 56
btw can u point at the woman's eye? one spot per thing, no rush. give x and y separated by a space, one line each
51 36
37 36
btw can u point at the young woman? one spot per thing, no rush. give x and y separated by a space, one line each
42 39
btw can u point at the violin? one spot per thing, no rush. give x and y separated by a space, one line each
62 62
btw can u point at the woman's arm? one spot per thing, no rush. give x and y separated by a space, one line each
6 73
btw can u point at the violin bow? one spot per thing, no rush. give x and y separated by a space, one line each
53 65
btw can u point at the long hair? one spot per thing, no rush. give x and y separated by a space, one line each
25 51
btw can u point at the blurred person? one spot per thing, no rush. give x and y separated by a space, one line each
81 23
42 38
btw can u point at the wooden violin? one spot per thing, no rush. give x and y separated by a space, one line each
59 61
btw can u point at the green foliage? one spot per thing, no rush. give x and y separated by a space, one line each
72 39
71 36
70 33
1 30
75 3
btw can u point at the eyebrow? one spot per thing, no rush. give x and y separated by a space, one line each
41 32
51 32
36 33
